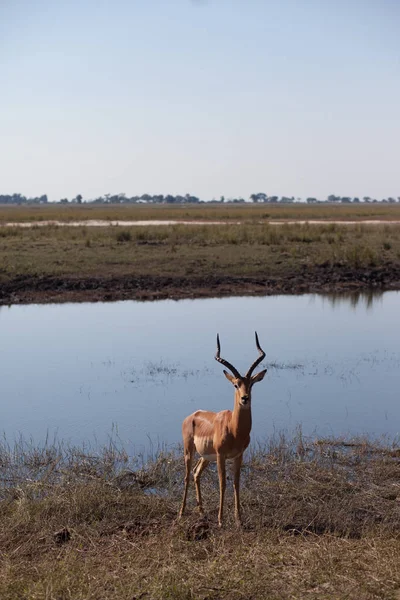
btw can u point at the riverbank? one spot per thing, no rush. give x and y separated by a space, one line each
75 264
321 520
42 289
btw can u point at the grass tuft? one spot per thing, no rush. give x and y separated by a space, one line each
124 236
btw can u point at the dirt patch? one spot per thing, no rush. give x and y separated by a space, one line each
158 223
322 279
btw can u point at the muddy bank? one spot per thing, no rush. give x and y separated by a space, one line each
322 279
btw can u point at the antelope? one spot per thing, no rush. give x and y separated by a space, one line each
221 436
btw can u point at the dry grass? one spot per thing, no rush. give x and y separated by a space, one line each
237 250
321 518
200 212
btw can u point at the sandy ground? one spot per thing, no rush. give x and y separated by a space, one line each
99 223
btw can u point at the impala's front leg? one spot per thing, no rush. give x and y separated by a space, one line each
222 485
237 463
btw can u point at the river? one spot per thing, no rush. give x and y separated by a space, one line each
132 370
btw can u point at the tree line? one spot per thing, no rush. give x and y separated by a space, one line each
332 199
260 198
20 199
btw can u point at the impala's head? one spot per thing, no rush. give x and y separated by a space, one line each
243 383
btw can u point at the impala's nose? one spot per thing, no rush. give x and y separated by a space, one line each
245 399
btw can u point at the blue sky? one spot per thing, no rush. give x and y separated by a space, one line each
209 97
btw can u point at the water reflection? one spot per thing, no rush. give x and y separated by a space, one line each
354 299
333 366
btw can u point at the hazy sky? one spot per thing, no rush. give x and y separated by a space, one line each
209 97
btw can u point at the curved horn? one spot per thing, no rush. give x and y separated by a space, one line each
225 362
258 360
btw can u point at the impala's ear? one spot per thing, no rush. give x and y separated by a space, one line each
258 377
229 376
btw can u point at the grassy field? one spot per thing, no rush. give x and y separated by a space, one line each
228 212
321 520
115 262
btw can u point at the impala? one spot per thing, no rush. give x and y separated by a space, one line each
221 436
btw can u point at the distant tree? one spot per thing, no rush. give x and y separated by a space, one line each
273 199
222 199
345 199
356 200
391 200
79 199
311 200
191 199
261 197
367 199
333 198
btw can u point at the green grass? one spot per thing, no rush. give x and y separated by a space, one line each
321 520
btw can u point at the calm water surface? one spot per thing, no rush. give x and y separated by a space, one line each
79 371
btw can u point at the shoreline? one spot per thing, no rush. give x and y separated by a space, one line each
28 289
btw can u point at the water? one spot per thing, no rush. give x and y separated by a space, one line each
83 371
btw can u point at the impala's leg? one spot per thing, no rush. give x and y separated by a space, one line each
222 486
201 465
188 465
237 463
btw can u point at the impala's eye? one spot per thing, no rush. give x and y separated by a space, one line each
236 386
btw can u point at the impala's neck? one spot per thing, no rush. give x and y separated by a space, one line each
241 418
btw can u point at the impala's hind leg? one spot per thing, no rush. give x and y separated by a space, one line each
189 450
201 465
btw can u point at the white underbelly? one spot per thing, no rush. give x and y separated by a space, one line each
210 457
213 457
